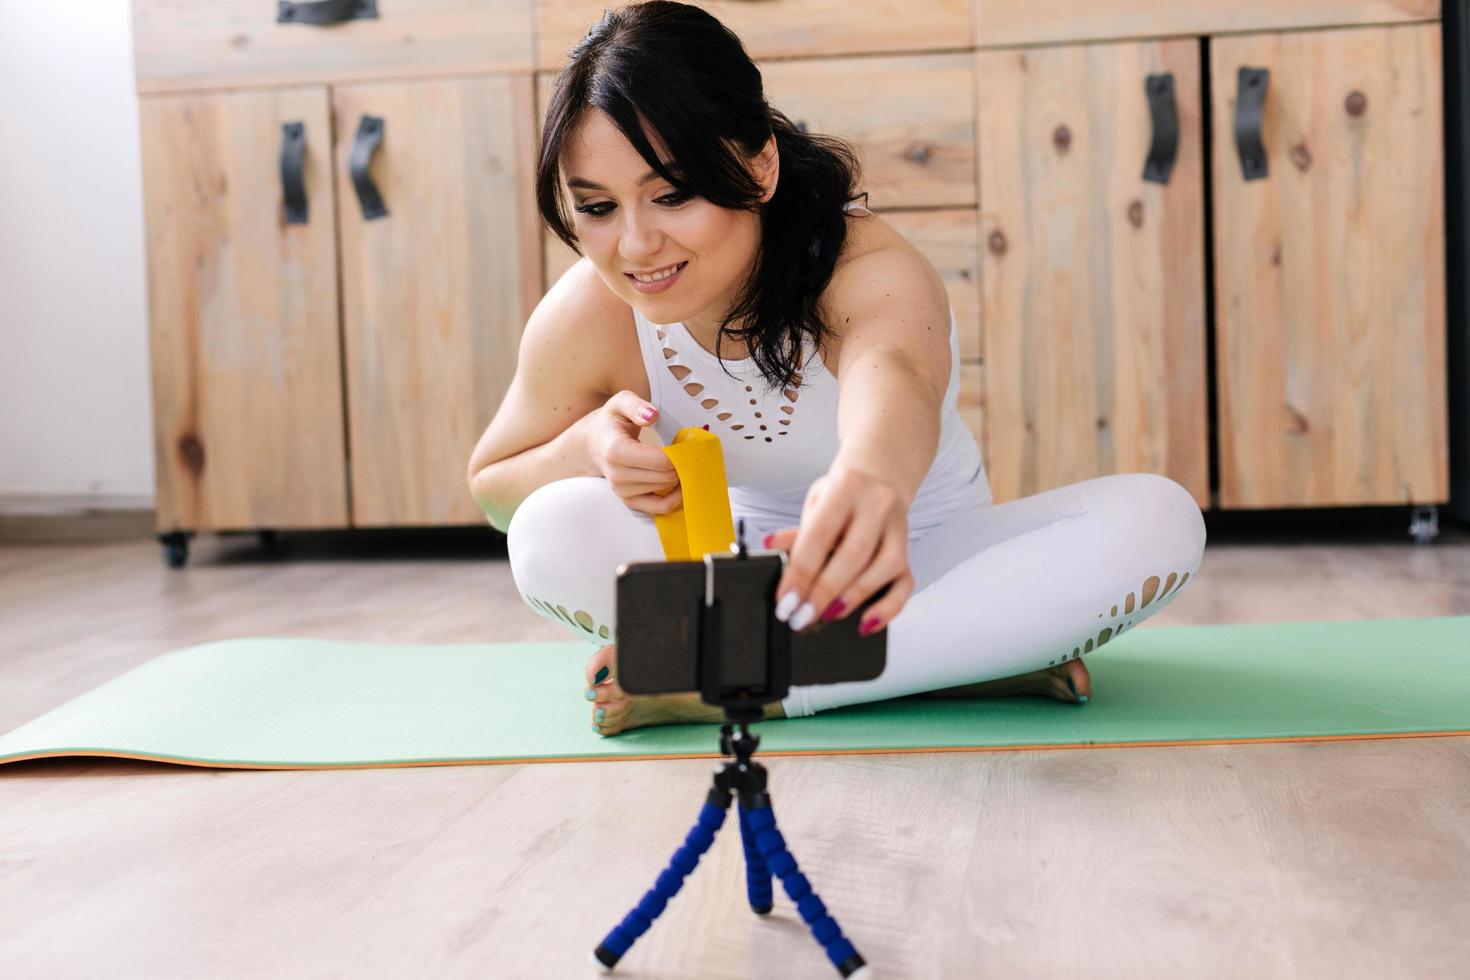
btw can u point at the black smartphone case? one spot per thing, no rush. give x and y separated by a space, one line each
658 620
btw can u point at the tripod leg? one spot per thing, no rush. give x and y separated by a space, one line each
772 847
665 886
757 875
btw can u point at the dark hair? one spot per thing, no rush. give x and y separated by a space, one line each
689 77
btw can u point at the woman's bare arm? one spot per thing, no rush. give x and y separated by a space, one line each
538 434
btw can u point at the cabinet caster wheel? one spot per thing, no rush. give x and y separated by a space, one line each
175 549
1424 524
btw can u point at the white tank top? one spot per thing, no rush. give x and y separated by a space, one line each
775 443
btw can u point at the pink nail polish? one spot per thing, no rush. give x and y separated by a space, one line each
869 625
647 413
834 610
766 540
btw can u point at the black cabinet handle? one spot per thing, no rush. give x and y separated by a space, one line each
1250 98
1159 89
293 165
359 158
324 12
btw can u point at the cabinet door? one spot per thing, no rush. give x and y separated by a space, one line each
247 392
435 293
1330 318
1092 278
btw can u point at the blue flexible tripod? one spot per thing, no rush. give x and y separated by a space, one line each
765 853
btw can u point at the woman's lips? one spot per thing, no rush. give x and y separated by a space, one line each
660 286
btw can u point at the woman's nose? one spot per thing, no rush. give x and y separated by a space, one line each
640 238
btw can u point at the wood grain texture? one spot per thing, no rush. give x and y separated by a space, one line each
785 28
181 44
1092 279
1329 859
1010 22
246 369
910 118
435 294
1330 299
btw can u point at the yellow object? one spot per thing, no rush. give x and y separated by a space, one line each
703 524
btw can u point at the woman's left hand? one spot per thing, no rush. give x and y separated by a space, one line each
853 540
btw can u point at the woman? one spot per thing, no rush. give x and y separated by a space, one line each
729 280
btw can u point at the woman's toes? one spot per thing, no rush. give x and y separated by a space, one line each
609 717
601 664
1080 682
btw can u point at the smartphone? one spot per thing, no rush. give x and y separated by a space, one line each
659 608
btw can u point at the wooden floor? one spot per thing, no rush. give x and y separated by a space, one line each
1343 859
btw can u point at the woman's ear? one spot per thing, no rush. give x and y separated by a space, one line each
768 169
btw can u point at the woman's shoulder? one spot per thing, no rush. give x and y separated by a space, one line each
867 232
584 311
875 252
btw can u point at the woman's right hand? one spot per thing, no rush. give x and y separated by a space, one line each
642 475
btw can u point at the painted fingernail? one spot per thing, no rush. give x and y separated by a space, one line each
647 413
591 695
601 676
596 729
869 625
788 602
766 540
834 610
599 714
804 615
1081 699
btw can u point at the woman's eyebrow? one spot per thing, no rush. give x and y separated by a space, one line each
586 184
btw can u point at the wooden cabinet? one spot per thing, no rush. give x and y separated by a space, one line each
1093 275
247 393
333 368
1326 267
1329 264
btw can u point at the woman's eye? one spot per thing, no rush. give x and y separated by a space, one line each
603 209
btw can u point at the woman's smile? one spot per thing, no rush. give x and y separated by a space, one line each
657 281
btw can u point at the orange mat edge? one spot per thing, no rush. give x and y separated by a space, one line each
773 753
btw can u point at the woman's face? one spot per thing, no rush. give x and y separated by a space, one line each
629 220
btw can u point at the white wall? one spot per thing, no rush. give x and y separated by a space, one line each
75 416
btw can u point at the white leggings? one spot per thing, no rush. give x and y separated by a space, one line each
1000 590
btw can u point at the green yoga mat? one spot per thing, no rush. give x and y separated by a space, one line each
306 704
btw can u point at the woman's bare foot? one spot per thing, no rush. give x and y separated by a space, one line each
614 710
1048 681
